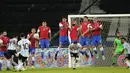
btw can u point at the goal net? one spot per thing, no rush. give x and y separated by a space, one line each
111 24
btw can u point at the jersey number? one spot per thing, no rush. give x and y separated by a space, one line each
25 46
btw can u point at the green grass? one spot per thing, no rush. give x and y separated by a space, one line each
78 70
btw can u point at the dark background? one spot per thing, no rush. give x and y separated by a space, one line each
18 16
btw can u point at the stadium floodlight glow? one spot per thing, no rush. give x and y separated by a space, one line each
110 23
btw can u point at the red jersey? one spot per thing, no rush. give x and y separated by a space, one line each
32 40
97 30
74 33
85 26
64 31
44 31
5 42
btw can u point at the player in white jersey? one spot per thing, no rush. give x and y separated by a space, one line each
74 51
126 47
11 51
23 54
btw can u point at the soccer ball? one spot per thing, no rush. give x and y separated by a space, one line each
1 41
36 35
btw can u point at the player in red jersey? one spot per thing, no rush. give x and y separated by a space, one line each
96 37
74 31
44 31
1 42
1 53
63 38
33 41
4 46
85 36
5 42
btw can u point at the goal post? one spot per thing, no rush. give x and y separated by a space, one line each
111 24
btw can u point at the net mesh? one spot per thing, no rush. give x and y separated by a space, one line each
111 25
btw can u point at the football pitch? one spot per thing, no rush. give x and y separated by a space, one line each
78 70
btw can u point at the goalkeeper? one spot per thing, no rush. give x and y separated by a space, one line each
74 49
118 48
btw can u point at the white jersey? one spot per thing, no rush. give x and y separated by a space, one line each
24 47
127 47
12 44
75 49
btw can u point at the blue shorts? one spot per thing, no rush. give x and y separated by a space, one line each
44 43
96 40
63 40
2 54
84 41
32 50
72 41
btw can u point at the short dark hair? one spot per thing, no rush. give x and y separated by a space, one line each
22 35
64 17
33 28
75 42
44 21
123 38
4 31
85 17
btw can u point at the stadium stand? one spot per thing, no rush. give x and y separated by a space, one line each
91 6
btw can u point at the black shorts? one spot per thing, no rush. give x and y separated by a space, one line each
22 58
128 56
9 54
76 55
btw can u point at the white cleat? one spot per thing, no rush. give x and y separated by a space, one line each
17 68
103 57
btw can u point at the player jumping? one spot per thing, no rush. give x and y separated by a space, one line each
96 37
85 36
63 39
